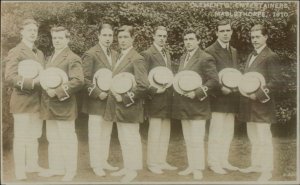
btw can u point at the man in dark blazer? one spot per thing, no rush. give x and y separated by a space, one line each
193 108
59 108
127 109
99 130
25 101
224 102
260 114
158 106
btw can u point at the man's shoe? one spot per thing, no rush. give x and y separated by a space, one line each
68 177
35 169
50 173
129 176
155 169
265 176
167 166
99 172
119 173
186 171
230 167
218 170
197 174
107 166
250 169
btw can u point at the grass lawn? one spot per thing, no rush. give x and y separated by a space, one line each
285 157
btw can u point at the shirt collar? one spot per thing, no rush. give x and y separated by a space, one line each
193 52
103 47
124 52
260 49
28 44
158 47
56 52
223 45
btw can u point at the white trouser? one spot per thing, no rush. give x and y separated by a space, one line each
158 141
27 129
131 145
99 140
193 133
219 139
63 145
260 137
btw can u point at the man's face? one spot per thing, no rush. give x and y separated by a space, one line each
160 37
106 37
29 32
224 33
125 40
59 40
258 39
190 41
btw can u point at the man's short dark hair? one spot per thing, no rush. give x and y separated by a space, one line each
60 28
260 27
159 28
222 23
191 30
26 22
126 28
102 26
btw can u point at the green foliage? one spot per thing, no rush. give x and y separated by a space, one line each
82 19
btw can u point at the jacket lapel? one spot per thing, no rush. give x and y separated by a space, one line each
260 57
234 57
126 60
59 58
223 53
27 50
193 59
102 56
158 56
182 62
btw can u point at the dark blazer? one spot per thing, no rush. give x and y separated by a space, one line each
93 60
25 100
266 63
117 111
157 105
224 59
194 109
61 107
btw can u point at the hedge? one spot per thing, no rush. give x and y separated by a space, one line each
82 19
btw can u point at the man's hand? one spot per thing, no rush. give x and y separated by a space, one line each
252 97
160 90
190 95
103 95
226 90
51 93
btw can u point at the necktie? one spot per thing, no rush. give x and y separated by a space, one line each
187 58
34 49
163 52
108 52
118 60
254 53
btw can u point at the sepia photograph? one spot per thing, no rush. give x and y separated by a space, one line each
150 92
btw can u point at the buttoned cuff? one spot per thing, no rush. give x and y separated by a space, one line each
28 84
62 92
201 93
262 94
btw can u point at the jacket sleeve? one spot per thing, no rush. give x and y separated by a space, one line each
11 73
76 80
210 78
273 81
147 60
88 68
142 83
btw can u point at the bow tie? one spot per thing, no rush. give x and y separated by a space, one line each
254 53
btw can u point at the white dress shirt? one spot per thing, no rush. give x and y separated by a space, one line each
258 52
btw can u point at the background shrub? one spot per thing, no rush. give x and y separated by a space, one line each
82 19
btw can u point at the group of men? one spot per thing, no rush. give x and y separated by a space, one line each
30 104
